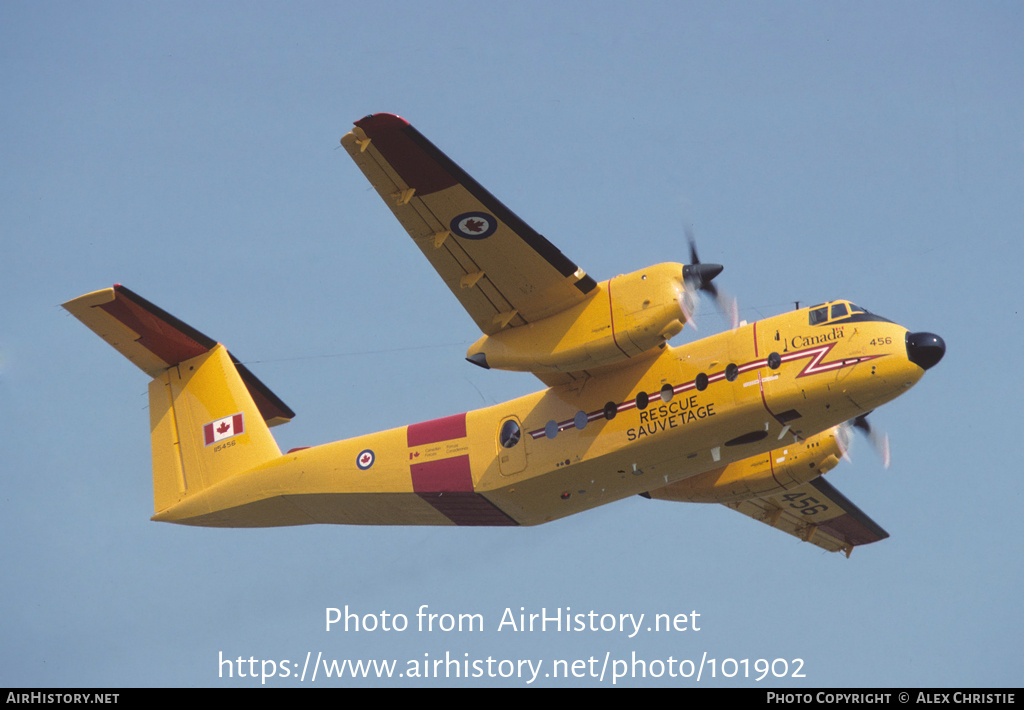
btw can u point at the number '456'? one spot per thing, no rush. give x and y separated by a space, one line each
804 503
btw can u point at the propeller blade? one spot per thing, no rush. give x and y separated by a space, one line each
844 438
694 259
879 440
731 308
698 277
688 305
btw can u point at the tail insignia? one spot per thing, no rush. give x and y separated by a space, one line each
222 429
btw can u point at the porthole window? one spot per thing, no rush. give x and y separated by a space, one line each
701 382
642 400
610 410
580 420
666 392
732 371
774 361
510 434
551 429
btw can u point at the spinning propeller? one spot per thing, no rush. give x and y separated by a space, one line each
697 278
879 440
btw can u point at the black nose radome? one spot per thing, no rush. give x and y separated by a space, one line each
925 349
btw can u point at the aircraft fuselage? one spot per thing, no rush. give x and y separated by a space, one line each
666 417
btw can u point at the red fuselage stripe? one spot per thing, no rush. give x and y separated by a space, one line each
815 366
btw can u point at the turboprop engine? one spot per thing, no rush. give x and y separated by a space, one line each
623 318
774 472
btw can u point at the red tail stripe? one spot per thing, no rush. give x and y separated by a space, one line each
453 427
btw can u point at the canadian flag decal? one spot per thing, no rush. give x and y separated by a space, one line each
223 429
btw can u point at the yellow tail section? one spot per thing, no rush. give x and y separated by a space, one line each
205 427
209 415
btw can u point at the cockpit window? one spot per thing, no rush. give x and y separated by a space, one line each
840 311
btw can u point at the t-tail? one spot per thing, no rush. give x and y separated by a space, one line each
209 416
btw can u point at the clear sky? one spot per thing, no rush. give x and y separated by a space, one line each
869 151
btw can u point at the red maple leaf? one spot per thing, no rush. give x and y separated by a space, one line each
365 458
224 426
474 225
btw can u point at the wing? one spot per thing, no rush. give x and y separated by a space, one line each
502 271
817 513
155 340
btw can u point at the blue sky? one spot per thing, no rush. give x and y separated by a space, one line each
867 151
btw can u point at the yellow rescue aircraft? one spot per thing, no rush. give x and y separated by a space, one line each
750 418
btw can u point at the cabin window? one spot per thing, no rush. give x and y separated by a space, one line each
510 434
838 310
732 371
642 400
819 315
701 382
666 392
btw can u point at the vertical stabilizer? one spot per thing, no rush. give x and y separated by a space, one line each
209 416
205 427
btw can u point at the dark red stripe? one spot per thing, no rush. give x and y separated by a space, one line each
174 341
424 166
850 530
270 405
443 476
419 170
467 509
159 332
453 427
816 354
854 526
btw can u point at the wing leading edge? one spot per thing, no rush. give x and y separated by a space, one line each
503 272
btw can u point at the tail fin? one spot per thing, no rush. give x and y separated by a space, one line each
209 416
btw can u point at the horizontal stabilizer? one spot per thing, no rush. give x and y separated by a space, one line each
155 340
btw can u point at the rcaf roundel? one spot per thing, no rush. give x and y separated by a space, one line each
474 225
365 459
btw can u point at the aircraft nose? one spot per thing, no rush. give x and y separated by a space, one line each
925 349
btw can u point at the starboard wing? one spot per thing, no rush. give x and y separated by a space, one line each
817 513
503 272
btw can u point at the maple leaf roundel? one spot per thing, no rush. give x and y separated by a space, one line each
474 225
365 459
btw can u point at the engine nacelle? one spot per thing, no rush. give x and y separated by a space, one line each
624 317
771 473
